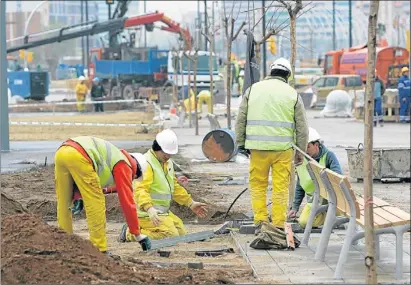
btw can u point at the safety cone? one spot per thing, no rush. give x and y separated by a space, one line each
173 109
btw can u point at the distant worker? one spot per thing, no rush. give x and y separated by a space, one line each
91 164
379 90
241 82
270 118
97 94
305 186
404 95
81 93
204 97
159 187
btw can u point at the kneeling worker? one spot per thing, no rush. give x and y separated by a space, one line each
317 150
156 191
91 164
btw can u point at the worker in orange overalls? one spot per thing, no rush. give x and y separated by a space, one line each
90 164
81 93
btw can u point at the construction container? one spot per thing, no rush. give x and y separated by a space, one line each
387 163
219 145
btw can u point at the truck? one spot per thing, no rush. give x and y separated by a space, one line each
389 61
124 68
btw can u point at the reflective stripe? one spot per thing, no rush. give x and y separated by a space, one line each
162 209
156 196
269 138
270 124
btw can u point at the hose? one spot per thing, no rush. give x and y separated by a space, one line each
232 204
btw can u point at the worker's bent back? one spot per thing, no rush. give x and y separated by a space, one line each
270 117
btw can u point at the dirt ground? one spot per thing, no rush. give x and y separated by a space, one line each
39 133
37 253
33 192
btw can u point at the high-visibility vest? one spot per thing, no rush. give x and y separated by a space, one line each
270 117
305 179
104 156
162 189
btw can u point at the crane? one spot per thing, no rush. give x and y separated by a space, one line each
112 26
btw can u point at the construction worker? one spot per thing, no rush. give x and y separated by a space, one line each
404 95
91 164
379 90
97 94
271 117
305 186
81 93
204 97
241 81
159 187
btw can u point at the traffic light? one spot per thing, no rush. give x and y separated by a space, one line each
22 54
109 2
272 46
29 56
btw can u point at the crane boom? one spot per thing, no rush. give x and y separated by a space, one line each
89 29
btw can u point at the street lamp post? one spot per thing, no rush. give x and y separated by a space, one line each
4 102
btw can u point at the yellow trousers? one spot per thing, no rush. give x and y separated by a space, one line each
260 164
305 214
81 98
171 226
71 166
204 99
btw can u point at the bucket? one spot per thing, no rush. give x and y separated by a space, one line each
219 145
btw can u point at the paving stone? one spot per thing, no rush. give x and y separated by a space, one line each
381 278
261 259
315 280
281 279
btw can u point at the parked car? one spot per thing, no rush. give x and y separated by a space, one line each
327 83
306 76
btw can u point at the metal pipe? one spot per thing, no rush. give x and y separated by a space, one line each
4 101
145 31
264 63
28 22
82 38
350 23
205 24
87 43
334 34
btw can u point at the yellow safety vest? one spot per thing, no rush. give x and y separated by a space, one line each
305 179
162 189
104 156
270 117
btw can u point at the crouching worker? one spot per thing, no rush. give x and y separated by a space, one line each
156 191
91 164
305 186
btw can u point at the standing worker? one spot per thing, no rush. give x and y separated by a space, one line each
379 90
97 94
404 94
159 187
318 151
270 118
241 82
92 163
81 93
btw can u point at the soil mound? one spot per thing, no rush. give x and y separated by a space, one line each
36 253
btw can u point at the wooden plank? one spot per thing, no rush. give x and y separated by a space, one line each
378 202
395 221
398 212
391 105
379 221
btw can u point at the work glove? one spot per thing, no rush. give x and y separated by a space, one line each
144 241
199 209
243 151
292 214
182 180
78 207
153 215
404 99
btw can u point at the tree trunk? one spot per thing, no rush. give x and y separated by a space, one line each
195 91
188 93
175 86
211 74
370 265
228 83
258 56
293 37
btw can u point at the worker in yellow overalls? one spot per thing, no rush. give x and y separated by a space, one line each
81 93
204 97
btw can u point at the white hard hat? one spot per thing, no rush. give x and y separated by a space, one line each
241 73
26 69
81 78
167 140
282 64
141 159
313 135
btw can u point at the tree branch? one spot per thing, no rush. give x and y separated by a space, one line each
264 13
267 36
238 31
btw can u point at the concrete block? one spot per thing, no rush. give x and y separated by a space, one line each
195 265
247 229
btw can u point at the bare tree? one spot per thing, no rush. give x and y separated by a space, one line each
194 60
371 277
293 11
229 22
